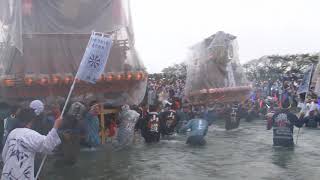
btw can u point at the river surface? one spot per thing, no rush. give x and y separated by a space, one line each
245 153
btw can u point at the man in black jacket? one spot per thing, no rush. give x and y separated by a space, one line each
150 126
168 122
283 123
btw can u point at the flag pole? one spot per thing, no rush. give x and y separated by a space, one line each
305 104
104 47
300 116
305 100
61 115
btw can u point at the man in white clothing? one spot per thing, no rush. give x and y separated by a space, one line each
23 143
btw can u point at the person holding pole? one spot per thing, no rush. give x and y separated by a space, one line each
283 123
22 145
90 70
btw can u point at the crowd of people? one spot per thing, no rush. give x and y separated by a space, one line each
269 95
162 88
41 128
266 98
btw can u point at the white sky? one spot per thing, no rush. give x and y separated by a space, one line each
165 29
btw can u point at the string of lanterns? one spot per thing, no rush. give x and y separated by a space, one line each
68 79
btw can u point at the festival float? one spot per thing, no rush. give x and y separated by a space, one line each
45 41
215 76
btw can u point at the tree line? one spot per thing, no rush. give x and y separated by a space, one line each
266 68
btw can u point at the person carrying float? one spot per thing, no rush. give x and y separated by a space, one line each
199 129
150 129
125 133
168 120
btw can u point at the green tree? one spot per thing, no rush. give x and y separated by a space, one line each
176 70
275 66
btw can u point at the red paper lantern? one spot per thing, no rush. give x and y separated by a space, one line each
9 82
28 81
129 76
43 81
138 76
110 77
55 79
68 79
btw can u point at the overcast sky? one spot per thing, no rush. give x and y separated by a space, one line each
165 29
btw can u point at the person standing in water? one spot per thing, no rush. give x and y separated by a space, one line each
125 133
199 129
283 123
92 125
22 145
150 129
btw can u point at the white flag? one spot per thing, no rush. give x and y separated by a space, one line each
305 83
95 58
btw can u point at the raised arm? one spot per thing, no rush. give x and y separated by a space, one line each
45 144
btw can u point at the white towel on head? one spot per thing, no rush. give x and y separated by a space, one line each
38 106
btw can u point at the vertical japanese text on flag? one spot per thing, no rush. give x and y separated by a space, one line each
95 58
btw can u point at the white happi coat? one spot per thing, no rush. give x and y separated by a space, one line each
19 151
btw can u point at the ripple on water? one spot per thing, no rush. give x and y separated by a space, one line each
245 153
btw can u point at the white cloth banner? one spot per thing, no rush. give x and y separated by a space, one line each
305 83
95 58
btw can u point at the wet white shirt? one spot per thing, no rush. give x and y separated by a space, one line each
19 151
